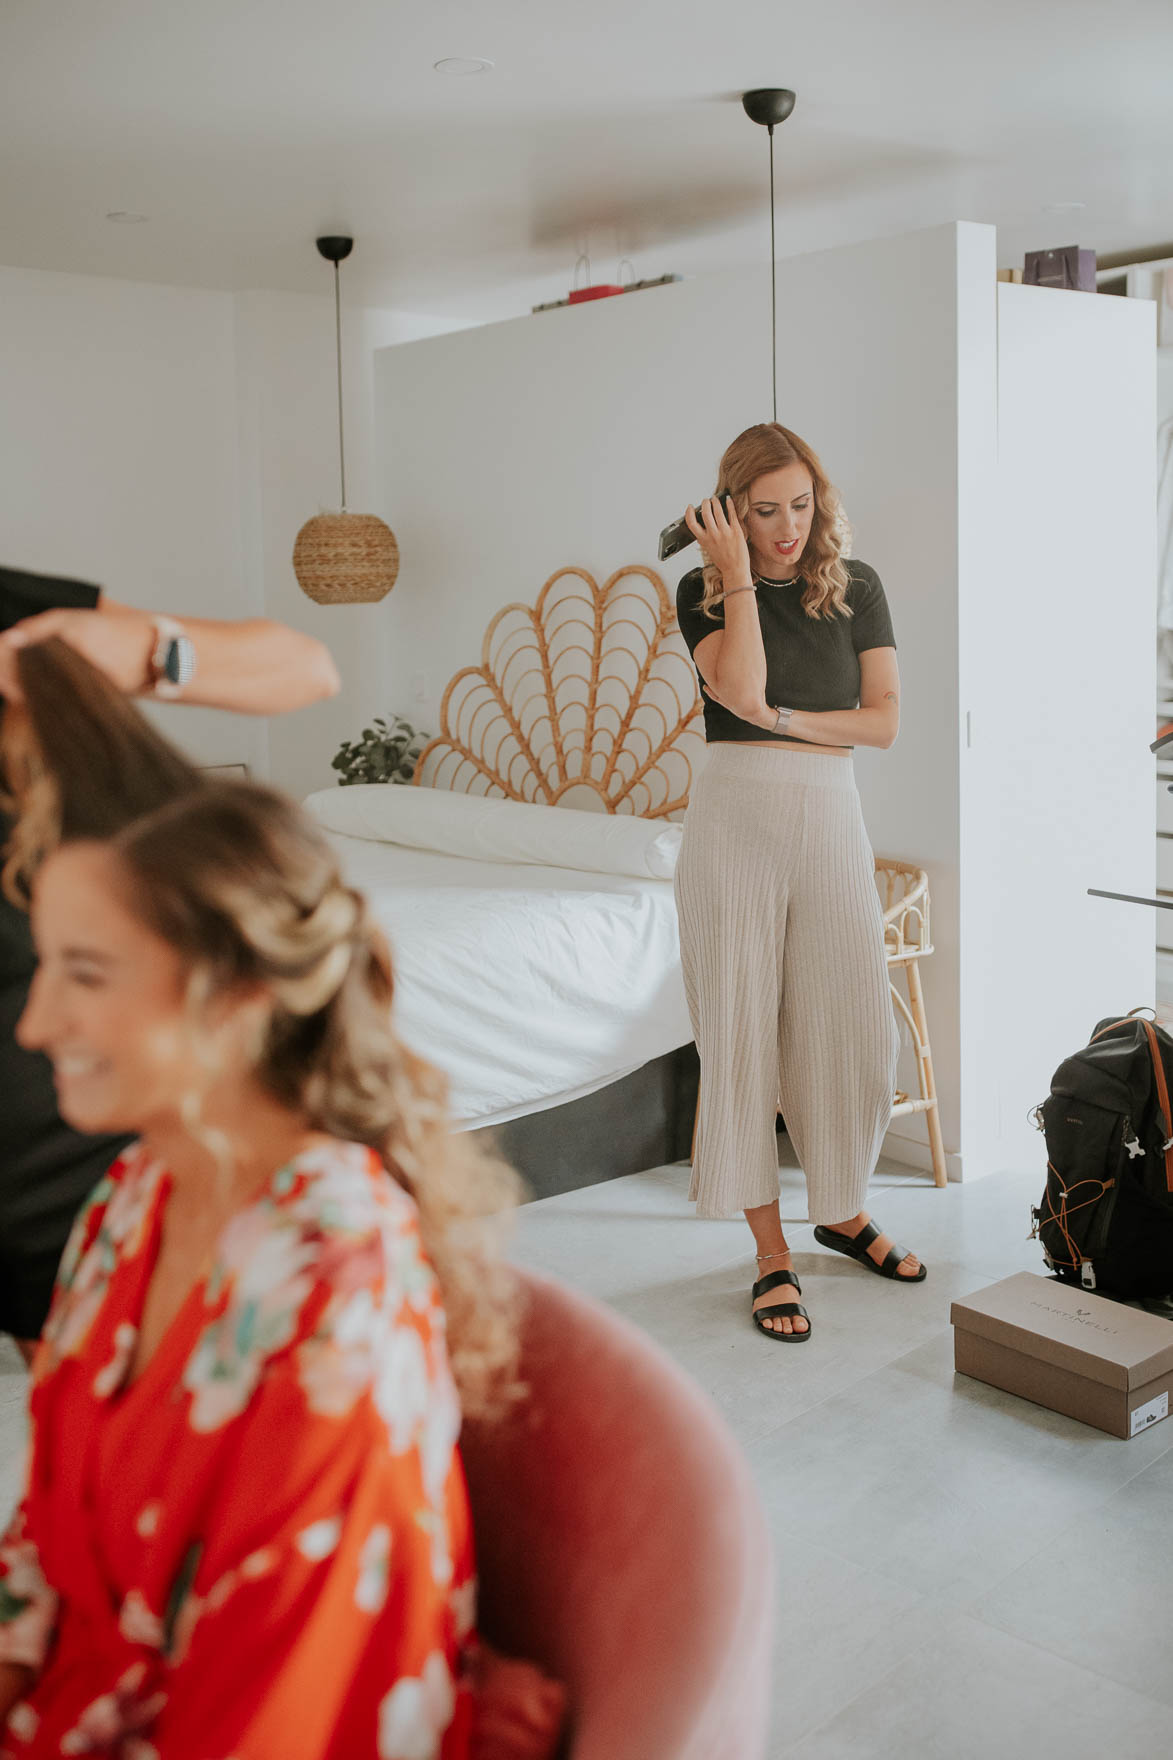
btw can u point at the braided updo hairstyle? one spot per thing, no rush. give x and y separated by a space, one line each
242 884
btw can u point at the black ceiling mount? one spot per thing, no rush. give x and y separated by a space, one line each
768 105
335 250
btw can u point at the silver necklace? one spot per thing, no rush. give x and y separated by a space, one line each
763 580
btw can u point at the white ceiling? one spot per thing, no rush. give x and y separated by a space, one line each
243 128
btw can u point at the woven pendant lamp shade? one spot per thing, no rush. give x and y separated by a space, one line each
345 558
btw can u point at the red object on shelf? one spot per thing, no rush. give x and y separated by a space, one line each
603 290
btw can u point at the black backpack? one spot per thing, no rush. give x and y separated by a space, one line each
1106 1217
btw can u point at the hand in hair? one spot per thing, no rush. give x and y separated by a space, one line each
119 646
255 667
77 759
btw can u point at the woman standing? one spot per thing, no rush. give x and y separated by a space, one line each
780 922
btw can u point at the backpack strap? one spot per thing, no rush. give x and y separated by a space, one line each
1162 1099
1162 1085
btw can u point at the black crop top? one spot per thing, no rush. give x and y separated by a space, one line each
812 663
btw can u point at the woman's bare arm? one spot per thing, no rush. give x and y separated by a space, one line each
877 720
875 723
732 660
255 667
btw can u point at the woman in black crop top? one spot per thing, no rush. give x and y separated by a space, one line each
780 924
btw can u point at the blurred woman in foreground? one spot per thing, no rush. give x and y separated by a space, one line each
245 1529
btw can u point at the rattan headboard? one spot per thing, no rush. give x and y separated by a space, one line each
587 699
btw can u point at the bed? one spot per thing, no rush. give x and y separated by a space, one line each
525 883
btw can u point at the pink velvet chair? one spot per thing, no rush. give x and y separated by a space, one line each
622 1544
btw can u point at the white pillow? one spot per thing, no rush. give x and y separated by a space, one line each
486 829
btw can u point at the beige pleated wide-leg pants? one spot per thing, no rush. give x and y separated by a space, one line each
781 940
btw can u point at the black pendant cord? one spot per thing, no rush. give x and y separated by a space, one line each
338 350
773 284
768 105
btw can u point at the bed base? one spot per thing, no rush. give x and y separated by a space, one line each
645 1120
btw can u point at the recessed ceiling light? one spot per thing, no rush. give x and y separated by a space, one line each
123 217
460 65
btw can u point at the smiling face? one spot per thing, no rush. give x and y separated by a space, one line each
778 523
108 1003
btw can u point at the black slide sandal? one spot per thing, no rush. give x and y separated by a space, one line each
780 1310
856 1247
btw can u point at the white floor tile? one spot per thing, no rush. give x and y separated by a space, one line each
837 1623
970 1693
1099 1594
917 1515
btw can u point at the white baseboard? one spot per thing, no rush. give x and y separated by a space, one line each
914 1152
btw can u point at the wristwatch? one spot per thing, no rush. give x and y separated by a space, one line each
173 659
782 724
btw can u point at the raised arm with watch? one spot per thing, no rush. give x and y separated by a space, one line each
254 667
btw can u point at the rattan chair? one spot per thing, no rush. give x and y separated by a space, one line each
904 891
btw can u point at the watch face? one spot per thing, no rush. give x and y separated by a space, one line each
179 661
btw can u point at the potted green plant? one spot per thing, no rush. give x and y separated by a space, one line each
384 752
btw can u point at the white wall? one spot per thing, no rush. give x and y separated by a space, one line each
572 436
119 460
168 443
1058 682
1165 382
287 401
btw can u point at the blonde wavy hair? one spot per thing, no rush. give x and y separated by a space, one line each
767 447
243 885
246 889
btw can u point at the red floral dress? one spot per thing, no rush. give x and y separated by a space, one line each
260 1549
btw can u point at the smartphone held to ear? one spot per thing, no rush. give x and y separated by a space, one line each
678 537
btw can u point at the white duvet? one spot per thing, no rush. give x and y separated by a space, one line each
528 985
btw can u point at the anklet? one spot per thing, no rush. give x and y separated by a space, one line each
782 1253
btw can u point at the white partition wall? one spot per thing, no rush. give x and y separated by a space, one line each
120 462
1058 681
570 437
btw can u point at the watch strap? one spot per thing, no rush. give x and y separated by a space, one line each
172 658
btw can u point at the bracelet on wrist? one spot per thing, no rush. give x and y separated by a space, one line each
782 721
